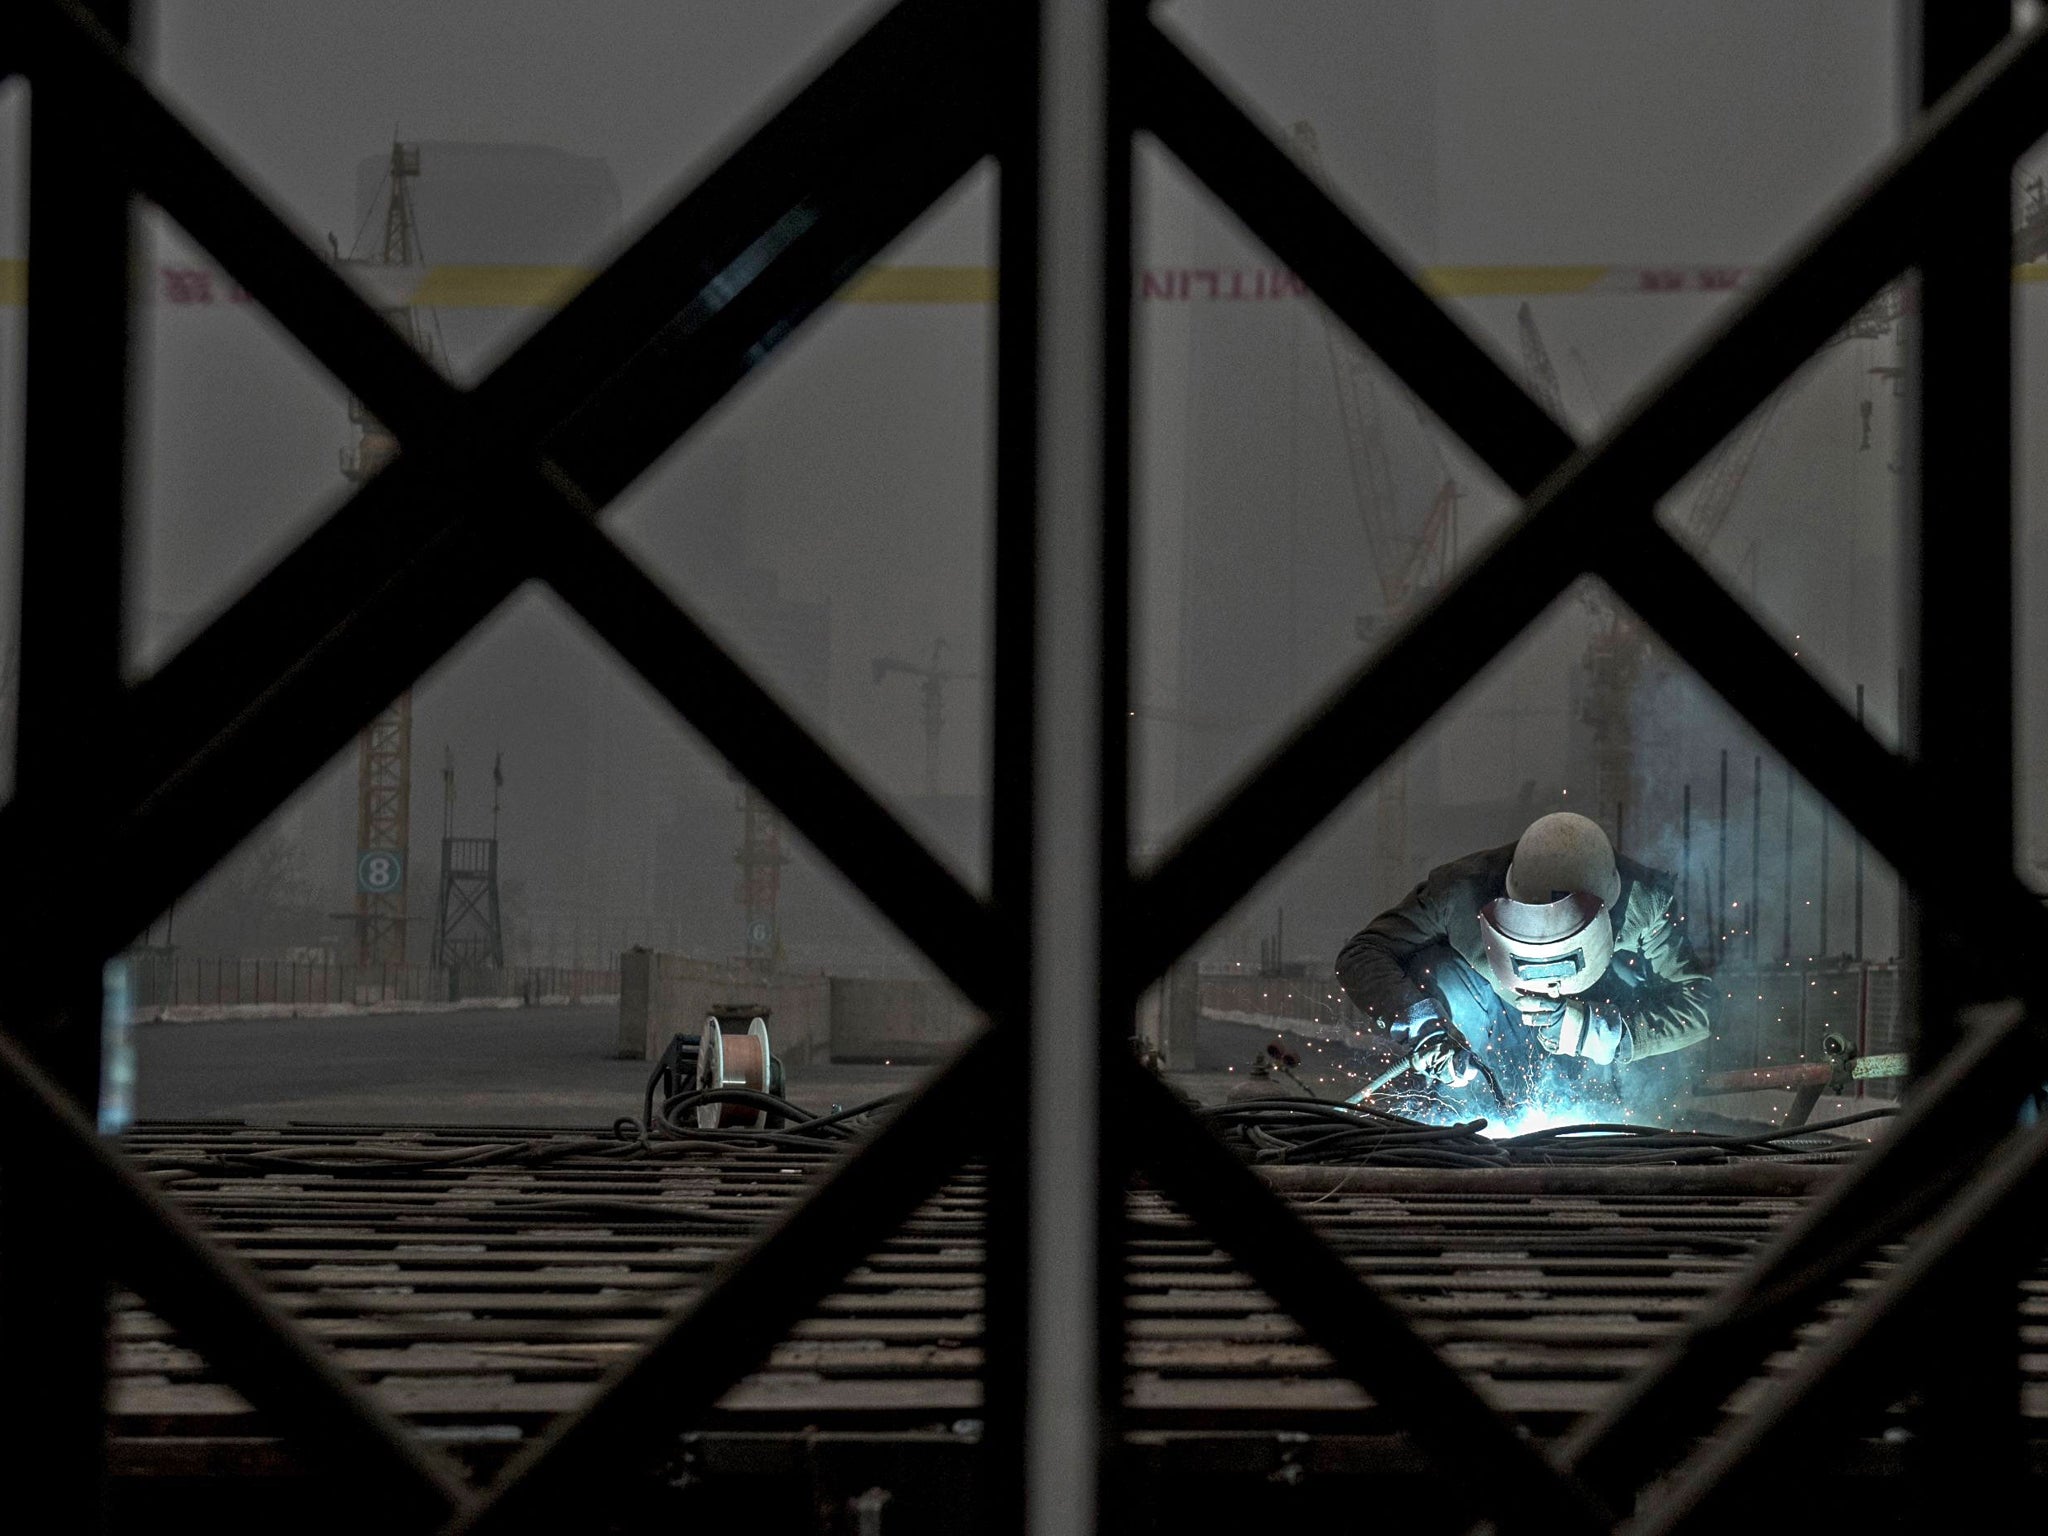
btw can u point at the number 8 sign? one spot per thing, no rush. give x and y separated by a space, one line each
379 871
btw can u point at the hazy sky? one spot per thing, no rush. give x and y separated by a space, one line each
1469 132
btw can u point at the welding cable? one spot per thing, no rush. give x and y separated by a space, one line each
802 1127
1318 1132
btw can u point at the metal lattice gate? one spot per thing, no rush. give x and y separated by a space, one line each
503 483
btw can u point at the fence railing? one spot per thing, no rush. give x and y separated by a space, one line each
171 981
1784 1016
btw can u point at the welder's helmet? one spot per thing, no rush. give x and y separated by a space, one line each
1553 933
1562 853
1547 949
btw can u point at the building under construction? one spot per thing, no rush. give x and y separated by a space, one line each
1063 1283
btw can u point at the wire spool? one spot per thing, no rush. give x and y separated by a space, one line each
726 1060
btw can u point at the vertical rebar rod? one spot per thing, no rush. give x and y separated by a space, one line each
1756 859
53 1275
1785 884
1857 833
1685 856
1080 861
1959 702
1827 818
1721 865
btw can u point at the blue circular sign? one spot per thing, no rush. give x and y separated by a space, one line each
379 871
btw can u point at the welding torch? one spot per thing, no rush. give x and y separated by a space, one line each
1407 1063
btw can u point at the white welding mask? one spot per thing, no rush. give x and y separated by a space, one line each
1548 949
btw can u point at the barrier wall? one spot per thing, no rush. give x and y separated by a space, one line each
661 996
159 982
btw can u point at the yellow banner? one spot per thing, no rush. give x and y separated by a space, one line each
508 286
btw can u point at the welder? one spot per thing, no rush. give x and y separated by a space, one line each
1547 961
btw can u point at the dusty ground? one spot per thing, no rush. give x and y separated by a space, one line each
527 1066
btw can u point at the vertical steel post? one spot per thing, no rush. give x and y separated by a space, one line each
1959 698
1001 1487
1079 853
1959 690
53 1276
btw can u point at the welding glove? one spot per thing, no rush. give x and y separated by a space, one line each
1580 1028
1435 1047
1442 1056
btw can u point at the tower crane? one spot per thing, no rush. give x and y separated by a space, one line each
384 750
932 679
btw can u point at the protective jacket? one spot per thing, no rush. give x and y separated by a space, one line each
1656 983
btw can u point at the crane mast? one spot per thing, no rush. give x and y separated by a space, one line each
384 749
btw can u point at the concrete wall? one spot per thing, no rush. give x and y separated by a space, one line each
897 1020
663 995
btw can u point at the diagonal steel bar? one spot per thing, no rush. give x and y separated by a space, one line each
69 51
734 682
1928 1152
1366 1335
823 172
960 934
1348 270
1591 500
211 1299
1789 707
1871 1349
205 811
749 1303
1703 619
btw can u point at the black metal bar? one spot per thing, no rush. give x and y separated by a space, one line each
749 1303
959 934
180 834
1707 627
53 1277
1598 484
220 1309
1960 670
1963 1109
1485 1458
1350 272
1607 490
1899 1324
701 280
1007 1241
137 136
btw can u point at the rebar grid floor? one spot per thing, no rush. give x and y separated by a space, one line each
481 1302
